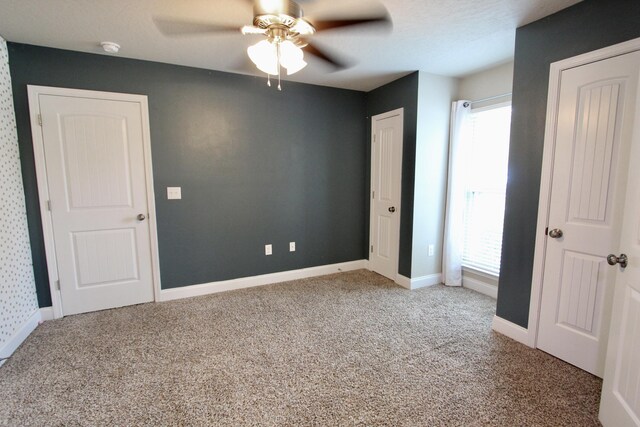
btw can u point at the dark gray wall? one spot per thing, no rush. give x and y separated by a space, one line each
587 26
401 93
255 165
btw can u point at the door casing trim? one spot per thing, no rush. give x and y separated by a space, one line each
43 189
553 100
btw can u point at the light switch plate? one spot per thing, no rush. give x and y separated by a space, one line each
431 250
268 250
292 246
174 193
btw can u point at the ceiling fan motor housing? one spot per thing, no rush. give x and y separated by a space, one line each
282 20
290 9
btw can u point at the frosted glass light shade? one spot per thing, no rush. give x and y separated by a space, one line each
264 55
295 68
291 57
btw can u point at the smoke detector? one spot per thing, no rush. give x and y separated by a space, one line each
110 47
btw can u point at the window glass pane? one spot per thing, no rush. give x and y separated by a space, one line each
489 149
486 180
484 213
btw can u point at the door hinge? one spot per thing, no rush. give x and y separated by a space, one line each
58 285
40 119
374 137
49 205
371 248
373 194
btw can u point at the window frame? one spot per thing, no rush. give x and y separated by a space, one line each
472 268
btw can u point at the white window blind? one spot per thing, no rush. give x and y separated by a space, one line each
486 180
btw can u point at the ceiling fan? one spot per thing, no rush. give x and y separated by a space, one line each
286 34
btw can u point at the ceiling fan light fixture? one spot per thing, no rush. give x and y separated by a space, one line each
291 57
265 56
285 30
294 68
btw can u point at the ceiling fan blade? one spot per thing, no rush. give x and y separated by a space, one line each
174 27
330 59
250 30
329 24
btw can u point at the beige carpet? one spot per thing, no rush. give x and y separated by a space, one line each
346 349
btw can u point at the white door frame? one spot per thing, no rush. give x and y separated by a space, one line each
43 189
547 169
396 112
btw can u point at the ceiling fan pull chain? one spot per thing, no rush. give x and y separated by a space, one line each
278 48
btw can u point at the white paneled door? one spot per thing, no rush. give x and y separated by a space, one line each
97 187
596 114
386 177
620 400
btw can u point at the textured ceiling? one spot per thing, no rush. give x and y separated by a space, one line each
447 37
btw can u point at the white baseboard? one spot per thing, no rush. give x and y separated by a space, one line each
418 282
479 286
513 331
249 282
430 280
46 313
403 281
19 336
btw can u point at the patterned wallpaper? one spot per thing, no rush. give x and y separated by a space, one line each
17 286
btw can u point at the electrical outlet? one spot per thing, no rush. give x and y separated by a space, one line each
431 250
268 250
292 246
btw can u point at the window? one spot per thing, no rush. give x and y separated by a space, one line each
485 184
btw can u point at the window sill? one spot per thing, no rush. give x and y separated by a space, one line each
482 273
480 281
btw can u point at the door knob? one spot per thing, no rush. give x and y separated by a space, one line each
141 217
556 233
622 260
392 209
